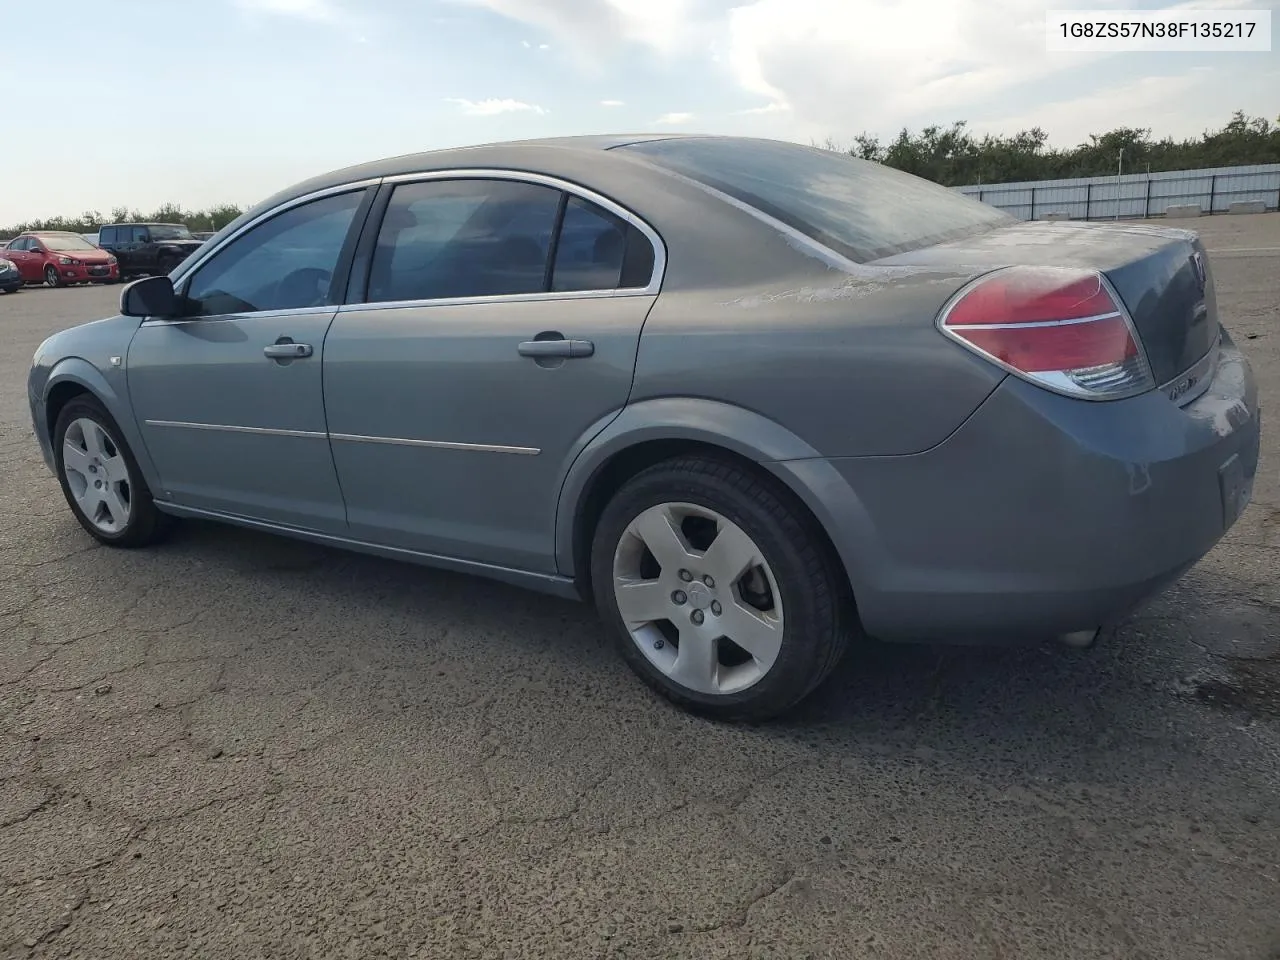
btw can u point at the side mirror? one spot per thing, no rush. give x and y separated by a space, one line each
150 297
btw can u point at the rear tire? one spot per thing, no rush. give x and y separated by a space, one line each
102 483
667 569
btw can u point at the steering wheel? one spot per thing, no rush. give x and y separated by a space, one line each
307 287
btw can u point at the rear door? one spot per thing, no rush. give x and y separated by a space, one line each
497 328
20 255
144 251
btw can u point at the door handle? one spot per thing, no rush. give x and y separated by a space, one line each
556 348
286 349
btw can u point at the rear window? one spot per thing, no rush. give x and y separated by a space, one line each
860 209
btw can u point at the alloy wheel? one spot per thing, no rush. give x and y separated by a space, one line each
698 598
97 475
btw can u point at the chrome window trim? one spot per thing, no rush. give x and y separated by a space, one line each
203 256
573 189
653 288
492 298
224 317
438 444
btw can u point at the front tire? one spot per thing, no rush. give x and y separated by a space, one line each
721 590
100 478
51 277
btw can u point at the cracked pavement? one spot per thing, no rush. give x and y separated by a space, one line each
240 746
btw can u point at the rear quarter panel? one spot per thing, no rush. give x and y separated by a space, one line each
852 365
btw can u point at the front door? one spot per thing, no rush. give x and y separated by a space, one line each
499 327
228 395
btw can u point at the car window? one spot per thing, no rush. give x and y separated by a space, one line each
138 234
463 238
19 244
68 243
861 209
591 248
285 263
107 235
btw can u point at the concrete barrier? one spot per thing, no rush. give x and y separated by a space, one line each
1183 210
1247 206
1056 216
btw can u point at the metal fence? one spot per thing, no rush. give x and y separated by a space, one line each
1134 194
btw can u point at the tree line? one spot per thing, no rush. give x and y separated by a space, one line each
951 156
215 218
954 157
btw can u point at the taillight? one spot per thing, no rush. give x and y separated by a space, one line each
1058 327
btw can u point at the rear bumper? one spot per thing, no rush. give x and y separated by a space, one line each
1041 515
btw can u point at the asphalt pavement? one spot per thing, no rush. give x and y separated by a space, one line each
241 746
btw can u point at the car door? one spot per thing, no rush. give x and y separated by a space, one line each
107 241
143 250
228 394
38 258
460 380
21 257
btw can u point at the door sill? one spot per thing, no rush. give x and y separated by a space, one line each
552 584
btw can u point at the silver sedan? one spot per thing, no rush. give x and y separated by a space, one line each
753 399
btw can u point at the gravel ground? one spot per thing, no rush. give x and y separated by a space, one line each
239 746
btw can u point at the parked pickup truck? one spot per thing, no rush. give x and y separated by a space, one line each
147 248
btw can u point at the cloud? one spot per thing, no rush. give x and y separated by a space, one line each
493 107
592 27
1181 105
812 67
321 11
673 119
612 103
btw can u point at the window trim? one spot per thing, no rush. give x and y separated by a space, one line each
355 230
374 224
351 261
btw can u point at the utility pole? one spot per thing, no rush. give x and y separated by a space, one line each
1119 167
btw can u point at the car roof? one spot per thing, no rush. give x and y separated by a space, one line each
543 155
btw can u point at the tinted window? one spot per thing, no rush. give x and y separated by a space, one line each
285 263
138 234
591 248
19 244
862 209
463 238
107 235
169 231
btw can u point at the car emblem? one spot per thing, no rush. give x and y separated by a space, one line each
1182 388
1197 261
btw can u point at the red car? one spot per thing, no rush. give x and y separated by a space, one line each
57 259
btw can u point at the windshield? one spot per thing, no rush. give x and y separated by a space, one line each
861 209
66 243
168 231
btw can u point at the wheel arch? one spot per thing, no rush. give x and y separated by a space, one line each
649 432
74 377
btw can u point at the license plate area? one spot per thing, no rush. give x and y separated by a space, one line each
1236 489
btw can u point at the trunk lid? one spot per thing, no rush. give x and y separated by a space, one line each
1161 273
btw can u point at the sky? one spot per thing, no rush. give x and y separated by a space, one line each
198 102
